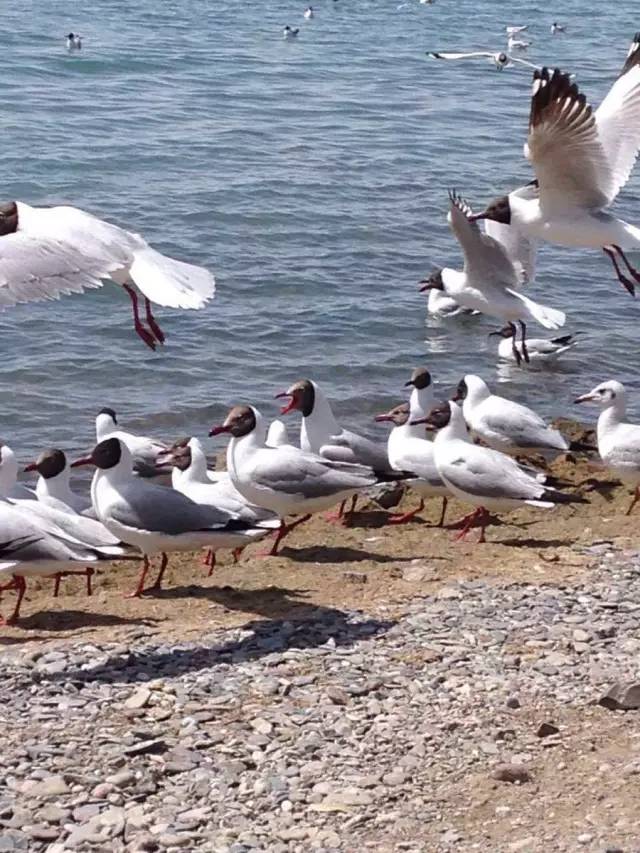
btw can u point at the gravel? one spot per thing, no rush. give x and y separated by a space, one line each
347 731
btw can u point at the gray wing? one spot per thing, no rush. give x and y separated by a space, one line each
294 472
484 258
350 447
522 425
24 539
77 527
486 473
162 510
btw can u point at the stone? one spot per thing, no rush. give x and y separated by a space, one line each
513 773
53 786
121 779
621 697
139 699
546 730
513 702
146 747
337 695
264 727
355 577
585 838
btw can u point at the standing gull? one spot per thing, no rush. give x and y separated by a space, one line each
504 424
618 441
481 476
540 350
286 480
582 159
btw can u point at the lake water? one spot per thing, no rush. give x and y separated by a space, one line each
311 177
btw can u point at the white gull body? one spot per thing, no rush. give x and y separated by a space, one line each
540 350
501 59
504 424
53 485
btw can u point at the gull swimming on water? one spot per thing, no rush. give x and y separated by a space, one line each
500 59
557 28
308 13
489 279
49 252
582 159
517 44
289 33
481 476
513 31
539 349
618 441
74 42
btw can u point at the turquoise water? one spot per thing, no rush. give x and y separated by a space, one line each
310 176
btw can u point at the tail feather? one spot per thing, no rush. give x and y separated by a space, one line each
550 318
565 340
171 283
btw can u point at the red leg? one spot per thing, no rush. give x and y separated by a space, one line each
624 281
445 501
157 584
468 524
349 514
90 574
56 586
336 516
151 320
283 531
206 560
483 518
143 574
407 516
236 553
636 498
143 333
212 564
20 585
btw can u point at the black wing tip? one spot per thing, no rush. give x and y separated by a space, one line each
555 90
632 59
557 497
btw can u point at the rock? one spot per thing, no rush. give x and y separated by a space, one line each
418 574
394 778
337 695
513 702
103 789
53 786
621 697
546 730
44 833
264 727
139 699
355 577
121 779
513 773
585 838
146 747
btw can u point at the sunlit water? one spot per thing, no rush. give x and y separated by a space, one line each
310 176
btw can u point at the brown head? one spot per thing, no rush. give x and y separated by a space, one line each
498 210
461 392
437 418
8 218
181 457
398 416
432 282
302 396
49 464
420 378
104 455
240 421
507 331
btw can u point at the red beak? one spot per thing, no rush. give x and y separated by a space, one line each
30 467
418 421
291 405
476 216
85 460
218 430
382 418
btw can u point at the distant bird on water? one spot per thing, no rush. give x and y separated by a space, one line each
308 13
557 28
74 42
289 33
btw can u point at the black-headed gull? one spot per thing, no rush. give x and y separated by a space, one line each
33 547
152 518
504 424
500 58
481 476
49 252
489 279
320 432
290 33
410 451
53 484
147 452
557 28
514 30
539 349
286 480
422 398
514 43
190 462
582 159
618 441
308 13
74 42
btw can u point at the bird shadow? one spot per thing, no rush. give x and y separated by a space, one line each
289 622
69 620
339 554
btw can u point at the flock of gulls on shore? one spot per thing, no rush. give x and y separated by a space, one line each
581 159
